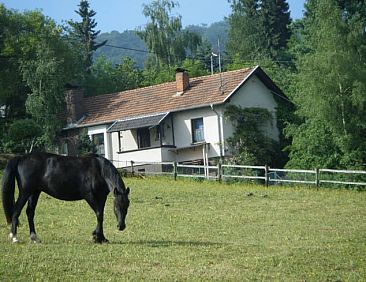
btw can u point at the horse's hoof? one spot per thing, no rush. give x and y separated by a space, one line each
34 238
13 238
100 240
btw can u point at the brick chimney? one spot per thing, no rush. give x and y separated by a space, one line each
181 80
75 109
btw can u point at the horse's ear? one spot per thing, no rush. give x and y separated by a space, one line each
128 190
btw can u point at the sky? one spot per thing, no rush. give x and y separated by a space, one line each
124 15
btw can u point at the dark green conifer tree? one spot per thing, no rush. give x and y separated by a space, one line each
276 21
84 32
258 29
245 40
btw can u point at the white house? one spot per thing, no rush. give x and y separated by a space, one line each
181 121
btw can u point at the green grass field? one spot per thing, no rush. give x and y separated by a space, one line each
189 231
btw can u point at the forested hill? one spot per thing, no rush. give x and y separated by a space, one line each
128 42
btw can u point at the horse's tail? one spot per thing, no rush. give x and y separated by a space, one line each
9 187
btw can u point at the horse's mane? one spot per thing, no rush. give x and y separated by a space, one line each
110 172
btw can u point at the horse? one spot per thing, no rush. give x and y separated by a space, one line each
90 178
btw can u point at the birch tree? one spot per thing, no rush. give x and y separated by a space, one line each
331 88
164 36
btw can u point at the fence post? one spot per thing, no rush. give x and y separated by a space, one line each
317 181
132 168
175 170
219 170
266 175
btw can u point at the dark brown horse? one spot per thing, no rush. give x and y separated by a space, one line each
66 178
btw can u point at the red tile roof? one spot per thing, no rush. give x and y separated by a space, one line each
160 98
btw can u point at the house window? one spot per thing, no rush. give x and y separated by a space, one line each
143 137
159 132
197 130
63 149
98 141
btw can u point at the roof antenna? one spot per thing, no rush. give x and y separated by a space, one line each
219 57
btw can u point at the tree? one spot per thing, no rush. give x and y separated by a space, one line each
31 46
194 67
330 94
258 29
276 19
46 76
203 54
249 143
108 78
22 136
84 32
127 75
245 40
18 34
100 80
85 145
163 35
155 75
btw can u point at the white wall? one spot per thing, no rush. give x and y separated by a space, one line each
129 143
163 154
255 94
183 133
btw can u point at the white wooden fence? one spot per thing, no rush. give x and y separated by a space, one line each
262 174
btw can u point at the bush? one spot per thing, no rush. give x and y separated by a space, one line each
23 135
85 145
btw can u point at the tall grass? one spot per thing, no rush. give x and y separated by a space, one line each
185 230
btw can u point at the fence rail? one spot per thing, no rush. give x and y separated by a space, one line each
264 174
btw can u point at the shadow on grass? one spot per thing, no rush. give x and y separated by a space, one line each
162 243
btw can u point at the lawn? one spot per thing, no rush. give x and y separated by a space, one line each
187 230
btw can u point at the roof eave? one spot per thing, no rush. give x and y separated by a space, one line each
240 84
265 79
87 125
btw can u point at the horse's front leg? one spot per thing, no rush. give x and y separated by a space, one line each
98 234
98 206
32 203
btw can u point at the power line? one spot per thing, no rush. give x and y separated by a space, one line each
127 48
200 59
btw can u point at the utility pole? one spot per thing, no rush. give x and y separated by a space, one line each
216 55
212 55
218 47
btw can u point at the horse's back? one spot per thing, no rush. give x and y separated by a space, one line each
65 178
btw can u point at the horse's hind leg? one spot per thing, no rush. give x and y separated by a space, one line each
32 203
19 204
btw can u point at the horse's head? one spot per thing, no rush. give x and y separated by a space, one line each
121 203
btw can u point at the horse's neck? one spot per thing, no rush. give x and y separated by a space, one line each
112 184
110 176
